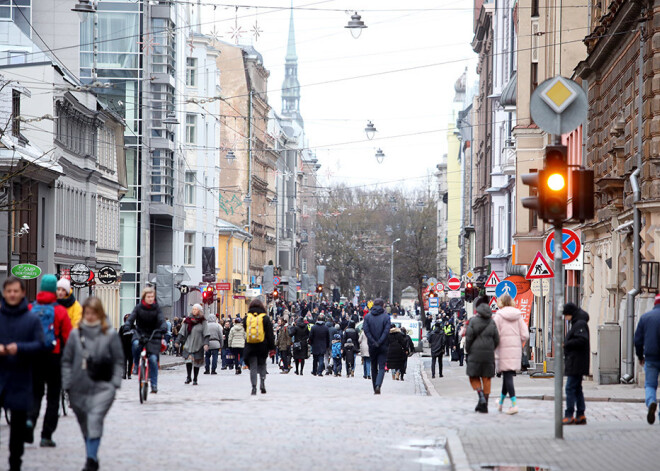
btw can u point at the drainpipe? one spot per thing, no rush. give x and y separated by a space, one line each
231 234
629 374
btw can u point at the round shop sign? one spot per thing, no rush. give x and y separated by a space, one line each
80 273
26 271
107 275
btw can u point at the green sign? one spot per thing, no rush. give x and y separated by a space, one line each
26 271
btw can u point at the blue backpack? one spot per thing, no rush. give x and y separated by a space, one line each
336 349
46 313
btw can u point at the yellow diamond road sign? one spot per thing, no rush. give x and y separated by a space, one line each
558 94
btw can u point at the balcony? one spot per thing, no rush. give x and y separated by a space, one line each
509 157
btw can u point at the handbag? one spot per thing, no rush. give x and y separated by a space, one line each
98 369
297 346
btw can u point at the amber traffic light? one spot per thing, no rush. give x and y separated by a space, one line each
551 186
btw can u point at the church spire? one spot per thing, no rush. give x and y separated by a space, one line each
291 86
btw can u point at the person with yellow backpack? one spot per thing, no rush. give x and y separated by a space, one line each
259 343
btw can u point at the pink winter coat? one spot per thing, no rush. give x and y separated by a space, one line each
513 335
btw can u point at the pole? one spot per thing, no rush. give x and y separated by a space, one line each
559 330
392 273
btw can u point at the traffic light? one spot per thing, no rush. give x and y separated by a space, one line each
319 288
582 184
276 294
551 186
469 292
207 295
432 294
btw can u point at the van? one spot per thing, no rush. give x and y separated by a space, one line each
413 328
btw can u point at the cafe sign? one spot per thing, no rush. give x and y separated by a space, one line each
26 271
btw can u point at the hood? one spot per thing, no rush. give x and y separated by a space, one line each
377 310
394 330
509 313
329 325
211 318
577 313
13 311
484 311
46 297
300 323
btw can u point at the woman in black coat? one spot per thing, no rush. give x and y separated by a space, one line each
126 337
397 352
481 340
255 354
300 349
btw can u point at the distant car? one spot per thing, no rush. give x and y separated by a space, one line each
413 328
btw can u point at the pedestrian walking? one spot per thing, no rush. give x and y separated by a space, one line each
147 322
513 333
237 343
647 347
47 374
364 353
226 351
194 336
284 347
319 339
66 299
410 351
377 328
481 341
576 363
461 343
436 340
126 337
92 366
21 338
349 356
336 354
215 343
397 352
260 343
300 345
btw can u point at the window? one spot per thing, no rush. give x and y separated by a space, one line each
535 8
189 248
191 71
303 265
15 112
190 188
191 121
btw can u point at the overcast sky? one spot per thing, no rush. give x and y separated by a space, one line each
434 45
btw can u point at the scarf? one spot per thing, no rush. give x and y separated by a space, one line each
192 321
91 324
68 301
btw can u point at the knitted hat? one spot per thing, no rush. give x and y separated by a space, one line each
64 284
657 299
49 283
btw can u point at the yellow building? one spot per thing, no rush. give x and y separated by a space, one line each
233 248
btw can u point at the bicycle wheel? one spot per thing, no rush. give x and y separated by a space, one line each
65 400
143 381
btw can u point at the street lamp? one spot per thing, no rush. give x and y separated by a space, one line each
170 119
231 157
356 25
83 7
392 272
380 155
370 130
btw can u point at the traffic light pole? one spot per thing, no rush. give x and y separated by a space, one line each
559 330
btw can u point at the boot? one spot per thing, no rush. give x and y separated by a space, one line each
482 404
254 390
486 405
263 386
91 465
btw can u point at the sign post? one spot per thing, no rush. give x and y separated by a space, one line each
559 331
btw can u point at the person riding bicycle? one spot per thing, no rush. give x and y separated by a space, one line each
148 325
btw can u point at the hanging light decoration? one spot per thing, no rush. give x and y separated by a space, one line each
370 130
380 155
231 157
170 119
356 25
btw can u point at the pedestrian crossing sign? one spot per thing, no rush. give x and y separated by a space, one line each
539 268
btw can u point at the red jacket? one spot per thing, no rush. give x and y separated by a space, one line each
62 322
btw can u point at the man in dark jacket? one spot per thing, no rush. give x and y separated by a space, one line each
351 333
21 338
377 328
576 359
319 339
647 347
437 343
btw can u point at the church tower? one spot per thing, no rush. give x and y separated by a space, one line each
291 86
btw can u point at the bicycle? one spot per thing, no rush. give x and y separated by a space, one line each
143 369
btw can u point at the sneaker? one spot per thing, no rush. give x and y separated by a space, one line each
377 390
581 420
29 432
568 421
47 443
650 417
513 410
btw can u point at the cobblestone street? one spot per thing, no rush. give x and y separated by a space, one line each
337 423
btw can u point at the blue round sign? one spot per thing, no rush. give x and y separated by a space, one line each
506 287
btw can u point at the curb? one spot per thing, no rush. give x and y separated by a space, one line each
171 365
547 397
430 390
458 458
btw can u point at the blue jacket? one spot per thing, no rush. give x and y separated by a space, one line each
18 325
647 335
377 327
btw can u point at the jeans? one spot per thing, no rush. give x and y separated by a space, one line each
350 366
574 396
238 357
366 366
17 438
152 358
257 366
336 363
47 374
651 370
378 357
286 360
227 363
317 365
211 354
436 358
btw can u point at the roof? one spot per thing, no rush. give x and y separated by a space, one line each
510 93
226 227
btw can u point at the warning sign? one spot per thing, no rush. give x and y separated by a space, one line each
539 268
493 280
493 305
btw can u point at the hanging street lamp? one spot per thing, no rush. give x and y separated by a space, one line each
370 130
380 155
356 25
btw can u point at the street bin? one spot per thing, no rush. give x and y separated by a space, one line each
609 353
